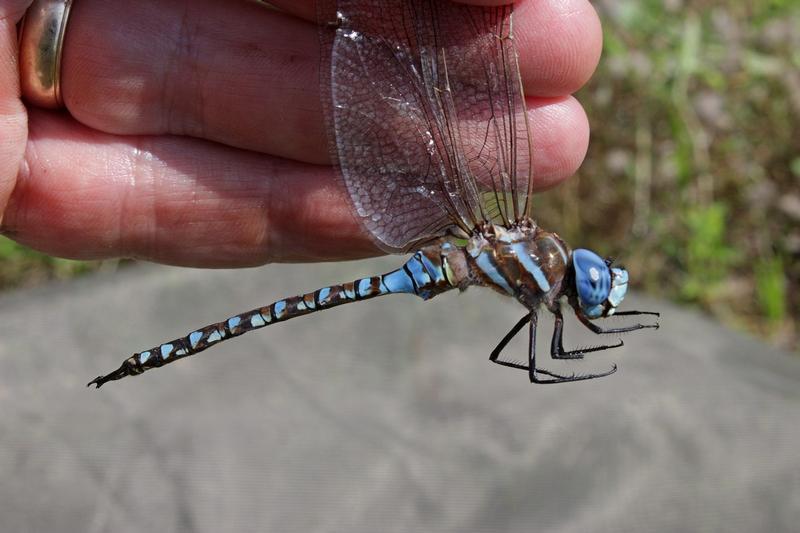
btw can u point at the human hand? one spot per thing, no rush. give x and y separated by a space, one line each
194 133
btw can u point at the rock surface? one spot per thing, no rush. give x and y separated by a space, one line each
380 416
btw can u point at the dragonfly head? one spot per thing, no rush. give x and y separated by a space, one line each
599 287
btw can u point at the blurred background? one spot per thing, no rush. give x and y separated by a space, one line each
693 174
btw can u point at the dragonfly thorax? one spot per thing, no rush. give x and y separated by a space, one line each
524 262
535 266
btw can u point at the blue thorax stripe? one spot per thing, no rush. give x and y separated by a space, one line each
530 266
487 266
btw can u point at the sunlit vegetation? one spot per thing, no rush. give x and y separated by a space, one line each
23 267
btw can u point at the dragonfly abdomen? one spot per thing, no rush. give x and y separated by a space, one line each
426 274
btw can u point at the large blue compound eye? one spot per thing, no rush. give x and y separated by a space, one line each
592 281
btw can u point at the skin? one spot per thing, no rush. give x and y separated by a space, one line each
193 133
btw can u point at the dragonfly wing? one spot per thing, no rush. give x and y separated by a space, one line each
487 94
428 117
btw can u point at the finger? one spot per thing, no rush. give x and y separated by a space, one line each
559 45
560 41
560 133
13 118
177 200
310 10
91 195
231 72
249 77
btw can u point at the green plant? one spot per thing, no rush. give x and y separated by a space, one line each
771 290
708 259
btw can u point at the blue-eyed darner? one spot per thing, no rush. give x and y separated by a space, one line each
430 134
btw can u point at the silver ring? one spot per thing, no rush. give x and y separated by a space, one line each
41 43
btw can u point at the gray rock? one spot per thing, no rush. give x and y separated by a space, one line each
381 416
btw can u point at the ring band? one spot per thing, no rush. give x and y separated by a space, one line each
41 42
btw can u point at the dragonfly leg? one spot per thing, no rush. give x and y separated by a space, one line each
625 329
557 352
510 335
629 313
535 374
557 344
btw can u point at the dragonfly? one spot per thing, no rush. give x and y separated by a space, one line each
430 135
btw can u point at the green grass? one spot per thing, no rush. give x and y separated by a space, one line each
22 267
706 257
